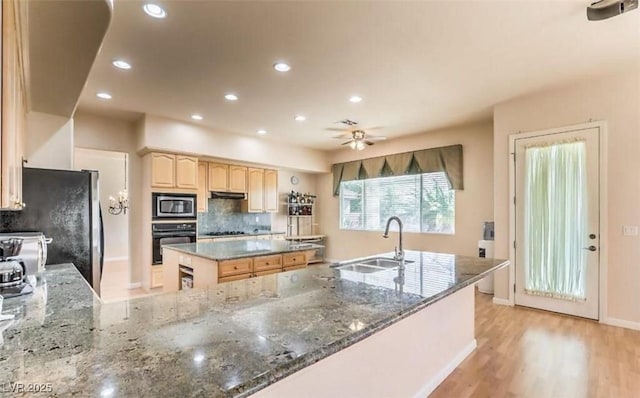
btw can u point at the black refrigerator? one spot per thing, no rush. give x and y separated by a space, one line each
64 205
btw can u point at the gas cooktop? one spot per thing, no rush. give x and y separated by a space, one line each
223 233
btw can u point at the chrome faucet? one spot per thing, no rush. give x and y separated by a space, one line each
399 252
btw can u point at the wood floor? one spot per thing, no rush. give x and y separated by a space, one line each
529 353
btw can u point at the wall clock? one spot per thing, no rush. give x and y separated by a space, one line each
294 180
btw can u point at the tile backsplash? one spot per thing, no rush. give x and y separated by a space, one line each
225 215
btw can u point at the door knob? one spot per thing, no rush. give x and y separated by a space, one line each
591 248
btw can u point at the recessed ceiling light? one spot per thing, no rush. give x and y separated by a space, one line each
300 118
262 132
118 63
355 99
231 97
103 95
154 10
195 116
281 67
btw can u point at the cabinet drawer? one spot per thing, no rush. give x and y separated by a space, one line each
233 278
156 276
268 272
296 258
267 263
291 268
235 267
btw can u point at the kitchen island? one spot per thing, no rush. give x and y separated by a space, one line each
244 337
205 264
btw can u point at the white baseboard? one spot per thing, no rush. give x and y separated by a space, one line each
135 285
622 323
446 371
501 301
125 258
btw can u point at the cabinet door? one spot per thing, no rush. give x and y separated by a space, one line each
186 172
271 191
218 177
163 169
156 276
203 192
237 179
255 196
13 108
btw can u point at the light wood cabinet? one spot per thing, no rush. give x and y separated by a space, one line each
174 171
235 267
156 276
218 177
237 179
255 192
266 263
203 192
271 191
186 172
163 170
14 107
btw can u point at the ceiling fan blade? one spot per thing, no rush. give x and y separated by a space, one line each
369 142
348 142
342 130
376 137
373 128
342 136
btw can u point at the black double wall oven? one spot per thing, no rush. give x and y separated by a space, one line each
177 211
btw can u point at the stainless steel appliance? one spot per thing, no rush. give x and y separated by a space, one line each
63 205
12 270
167 206
34 250
166 234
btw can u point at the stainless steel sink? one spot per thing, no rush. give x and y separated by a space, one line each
384 262
370 265
363 269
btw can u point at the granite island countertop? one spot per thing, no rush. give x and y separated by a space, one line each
228 340
229 250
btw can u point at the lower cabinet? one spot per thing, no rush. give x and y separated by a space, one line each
233 270
156 276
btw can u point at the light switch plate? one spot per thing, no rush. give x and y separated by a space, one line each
630 230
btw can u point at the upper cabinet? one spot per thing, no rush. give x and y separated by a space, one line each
255 195
262 192
174 171
218 177
186 172
203 191
237 179
14 108
271 191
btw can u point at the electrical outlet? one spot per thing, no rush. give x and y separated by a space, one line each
258 219
630 230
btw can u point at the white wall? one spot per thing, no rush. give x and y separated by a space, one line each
110 165
615 99
99 132
474 204
175 136
49 141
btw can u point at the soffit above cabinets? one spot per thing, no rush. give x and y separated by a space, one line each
63 39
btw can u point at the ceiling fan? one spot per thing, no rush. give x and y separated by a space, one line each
358 138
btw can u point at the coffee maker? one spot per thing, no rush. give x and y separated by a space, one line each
12 269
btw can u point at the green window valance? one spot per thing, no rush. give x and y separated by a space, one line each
447 159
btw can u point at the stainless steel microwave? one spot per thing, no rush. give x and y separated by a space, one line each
167 206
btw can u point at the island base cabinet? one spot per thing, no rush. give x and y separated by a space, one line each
437 338
232 278
236 267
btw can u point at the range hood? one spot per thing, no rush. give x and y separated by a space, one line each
227 195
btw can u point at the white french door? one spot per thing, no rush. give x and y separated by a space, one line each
557 222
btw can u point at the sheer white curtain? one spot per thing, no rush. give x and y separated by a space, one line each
556 220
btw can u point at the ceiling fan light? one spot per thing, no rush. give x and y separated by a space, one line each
359 145
352 145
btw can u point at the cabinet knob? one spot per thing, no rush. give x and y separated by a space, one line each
267 263
19 204
235 267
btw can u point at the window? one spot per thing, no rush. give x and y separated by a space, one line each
424 203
